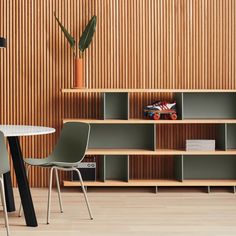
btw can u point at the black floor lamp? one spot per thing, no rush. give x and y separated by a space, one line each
3 42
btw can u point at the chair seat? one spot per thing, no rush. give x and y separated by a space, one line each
48 162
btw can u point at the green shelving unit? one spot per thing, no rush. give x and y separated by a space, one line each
115 137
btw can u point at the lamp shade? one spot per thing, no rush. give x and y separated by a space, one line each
3 42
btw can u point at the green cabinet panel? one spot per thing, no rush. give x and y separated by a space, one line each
209 105
117 168
115 106
122 136
209 167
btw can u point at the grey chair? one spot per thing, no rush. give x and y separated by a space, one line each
4 168
68 153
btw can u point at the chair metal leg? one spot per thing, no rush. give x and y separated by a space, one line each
27 174
49 195
85 195
58 190
4 205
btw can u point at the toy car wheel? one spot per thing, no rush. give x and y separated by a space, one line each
156 116
173 116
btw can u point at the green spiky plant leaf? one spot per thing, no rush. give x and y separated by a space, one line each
87 35
68 36
85 38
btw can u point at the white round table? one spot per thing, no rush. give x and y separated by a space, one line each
13 132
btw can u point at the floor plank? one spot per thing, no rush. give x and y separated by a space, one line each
126 211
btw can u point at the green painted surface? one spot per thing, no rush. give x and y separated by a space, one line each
178 168
221 138
117 168
209 105
179 101
122 136
231 136
116 106
209 167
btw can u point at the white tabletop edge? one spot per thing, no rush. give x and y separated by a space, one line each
25 130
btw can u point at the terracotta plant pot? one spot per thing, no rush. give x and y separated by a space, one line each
78 73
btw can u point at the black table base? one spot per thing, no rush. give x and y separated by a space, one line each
23 184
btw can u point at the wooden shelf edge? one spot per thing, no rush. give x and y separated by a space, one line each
143 121
120 90
147 183
157 152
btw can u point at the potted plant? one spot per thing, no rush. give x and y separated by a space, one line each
79 48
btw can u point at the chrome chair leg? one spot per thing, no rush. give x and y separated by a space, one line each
58 190
85 195
49 195
27 174
4 205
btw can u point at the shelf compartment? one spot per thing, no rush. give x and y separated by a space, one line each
209 167
115 106
122 136
151 167
153 183
116 168
209 105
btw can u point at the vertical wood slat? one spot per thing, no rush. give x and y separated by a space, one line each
187 44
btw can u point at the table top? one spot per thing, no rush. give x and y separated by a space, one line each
25 130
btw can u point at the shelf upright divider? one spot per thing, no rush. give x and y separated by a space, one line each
179 97
179 168
221 137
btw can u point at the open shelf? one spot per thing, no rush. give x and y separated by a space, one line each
152 183
123 90
143 121
207 105
156 152
209 167
115 106
116 168
109 136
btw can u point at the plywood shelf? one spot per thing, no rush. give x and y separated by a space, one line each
143 183
123 90
156 152
145 121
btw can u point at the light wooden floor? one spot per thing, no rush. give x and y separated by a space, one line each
132 212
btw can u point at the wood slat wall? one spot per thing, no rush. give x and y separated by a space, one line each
187 44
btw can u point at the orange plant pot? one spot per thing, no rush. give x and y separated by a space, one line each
78 73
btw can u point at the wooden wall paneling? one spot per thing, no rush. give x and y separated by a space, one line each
179 44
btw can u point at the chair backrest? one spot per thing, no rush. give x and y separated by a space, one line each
72 143
4 160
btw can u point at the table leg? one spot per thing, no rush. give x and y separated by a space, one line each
22 181
9 192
